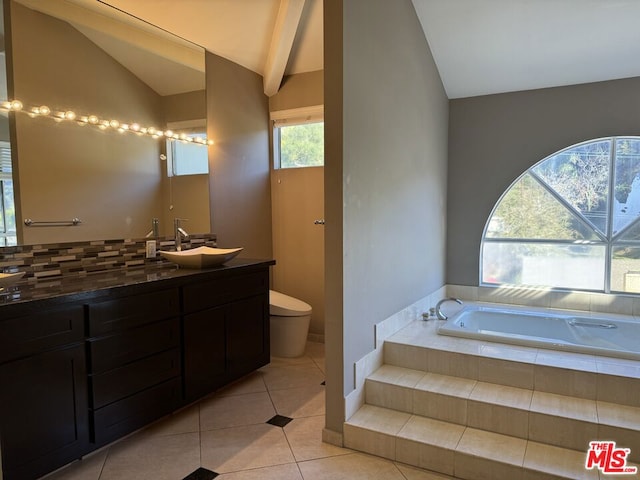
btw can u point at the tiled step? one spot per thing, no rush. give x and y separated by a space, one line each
575 375
459 451
549 418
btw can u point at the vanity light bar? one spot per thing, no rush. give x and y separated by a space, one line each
102 124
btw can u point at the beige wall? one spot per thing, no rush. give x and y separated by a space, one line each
185 106
300 90
386 117
495 138
297 201
109 180
240 193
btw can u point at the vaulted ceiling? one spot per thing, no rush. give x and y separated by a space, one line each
480 46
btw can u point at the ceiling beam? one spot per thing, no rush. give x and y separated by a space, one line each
284 32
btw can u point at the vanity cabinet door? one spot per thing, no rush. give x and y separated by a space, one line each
204 352
44 414
248 335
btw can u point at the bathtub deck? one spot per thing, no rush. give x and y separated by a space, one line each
462 407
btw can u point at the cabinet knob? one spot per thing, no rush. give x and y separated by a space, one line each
319 222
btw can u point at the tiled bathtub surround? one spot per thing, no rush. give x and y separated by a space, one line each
80 258
622 304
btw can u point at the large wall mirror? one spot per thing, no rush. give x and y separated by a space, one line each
85 57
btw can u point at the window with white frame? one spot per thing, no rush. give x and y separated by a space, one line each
298 137
186 157
571 221
7 205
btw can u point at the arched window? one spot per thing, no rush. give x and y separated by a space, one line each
570 221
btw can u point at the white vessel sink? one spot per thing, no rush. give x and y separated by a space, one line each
7 279
201 257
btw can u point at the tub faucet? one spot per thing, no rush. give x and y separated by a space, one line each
439 313
179 233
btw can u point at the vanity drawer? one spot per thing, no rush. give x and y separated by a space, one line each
121 313
106 353
134 377
26 335
199 296
125 416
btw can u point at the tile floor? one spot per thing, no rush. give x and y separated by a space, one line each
227 434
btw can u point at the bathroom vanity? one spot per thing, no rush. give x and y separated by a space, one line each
87 360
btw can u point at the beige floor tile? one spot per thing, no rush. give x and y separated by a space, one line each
411 473
404 377
153 458
454 364
406 356
290 361
299 402
564 406
389 395
446 385
563 381
184 421
315 351
479 443
279 377
561 431
379 419
231 411
504 372
556 461
427 430
89 468
355 466
252 383
619 389
617 415
479 468
305 439
497 418
242 448
502 395
289 471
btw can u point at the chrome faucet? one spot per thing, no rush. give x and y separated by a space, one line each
439 313
179 233
155 228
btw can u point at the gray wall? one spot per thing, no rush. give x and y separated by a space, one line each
238 121
495 138
391 138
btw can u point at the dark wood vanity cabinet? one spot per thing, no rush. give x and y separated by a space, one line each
134 368
226 330
78 372
43 389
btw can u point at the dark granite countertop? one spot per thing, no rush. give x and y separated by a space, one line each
90 285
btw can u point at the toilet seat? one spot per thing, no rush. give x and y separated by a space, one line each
285 306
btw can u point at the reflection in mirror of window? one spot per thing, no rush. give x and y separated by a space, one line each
187 158
8 236
571 221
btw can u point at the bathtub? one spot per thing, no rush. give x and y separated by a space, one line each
612 336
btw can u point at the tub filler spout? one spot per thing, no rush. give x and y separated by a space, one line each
439 313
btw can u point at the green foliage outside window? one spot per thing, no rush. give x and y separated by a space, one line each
302 145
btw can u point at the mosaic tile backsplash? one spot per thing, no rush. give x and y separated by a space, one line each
56 260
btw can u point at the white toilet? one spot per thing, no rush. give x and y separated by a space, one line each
290 319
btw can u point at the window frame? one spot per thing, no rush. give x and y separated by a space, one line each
609 240
289 118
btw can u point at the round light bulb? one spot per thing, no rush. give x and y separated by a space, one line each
114 123
69 115
16 105
93 120
168 134
151 131
44 110
210 142
135 127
